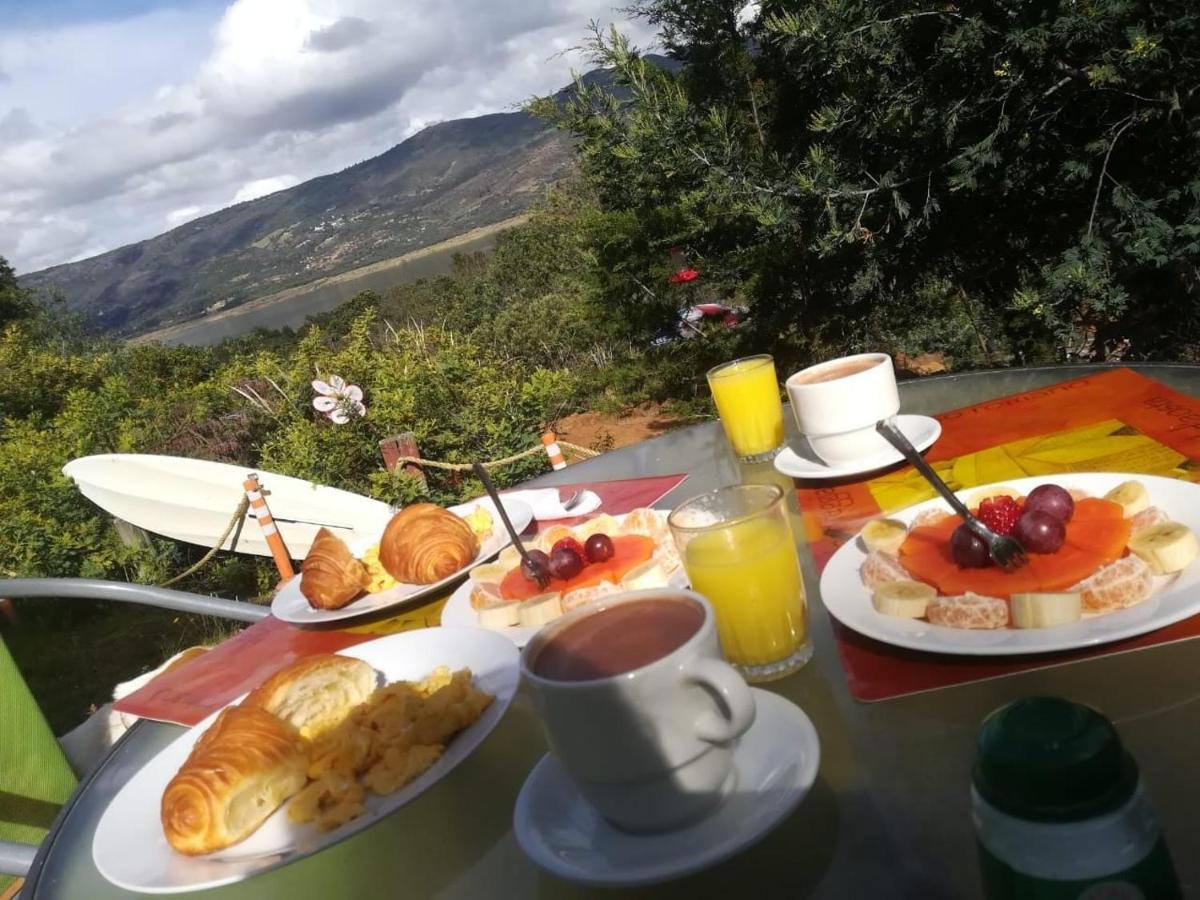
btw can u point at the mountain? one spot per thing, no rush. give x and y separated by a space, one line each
443 181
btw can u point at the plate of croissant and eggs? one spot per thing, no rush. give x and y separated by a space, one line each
603 555
324 748
423 548
1110 556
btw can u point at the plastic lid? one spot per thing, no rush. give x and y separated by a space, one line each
1050 760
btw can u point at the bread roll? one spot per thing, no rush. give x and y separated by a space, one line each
316 693
331 576
424 543
238 773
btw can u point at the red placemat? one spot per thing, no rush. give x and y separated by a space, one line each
187 694
1116 421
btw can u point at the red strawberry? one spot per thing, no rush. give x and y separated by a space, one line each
1000 514
573 545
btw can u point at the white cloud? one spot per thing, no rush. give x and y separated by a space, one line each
272 93
260 187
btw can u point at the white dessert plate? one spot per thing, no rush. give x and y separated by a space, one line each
130 850
1175 596
291 606
776 763
921 431
458 611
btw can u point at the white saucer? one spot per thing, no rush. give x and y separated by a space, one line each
921 432
776 764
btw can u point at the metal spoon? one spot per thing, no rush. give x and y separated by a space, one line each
482 475
1006 551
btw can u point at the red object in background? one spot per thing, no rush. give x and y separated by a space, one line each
683 276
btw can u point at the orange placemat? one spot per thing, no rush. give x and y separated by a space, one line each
1116 421
187 694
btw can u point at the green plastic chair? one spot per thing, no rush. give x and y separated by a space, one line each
35 778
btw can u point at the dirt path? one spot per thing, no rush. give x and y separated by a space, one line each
608 431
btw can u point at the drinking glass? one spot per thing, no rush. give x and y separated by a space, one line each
746 392
738 550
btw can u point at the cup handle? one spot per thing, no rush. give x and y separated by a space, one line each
722 678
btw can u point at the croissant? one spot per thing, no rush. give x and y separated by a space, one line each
331 576
424 543
238 773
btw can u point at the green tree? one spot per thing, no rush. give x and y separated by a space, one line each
1023 176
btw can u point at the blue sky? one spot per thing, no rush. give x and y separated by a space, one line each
120 119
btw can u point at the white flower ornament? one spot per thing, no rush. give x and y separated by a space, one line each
339 401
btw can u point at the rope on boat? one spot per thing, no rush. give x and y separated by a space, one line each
239 514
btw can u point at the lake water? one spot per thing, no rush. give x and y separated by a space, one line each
291 313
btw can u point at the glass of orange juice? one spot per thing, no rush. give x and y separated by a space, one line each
738 550
746 392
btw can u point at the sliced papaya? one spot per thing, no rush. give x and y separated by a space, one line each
629 550
1096 536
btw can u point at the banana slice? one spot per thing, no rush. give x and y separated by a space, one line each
1045 610
647 575
1131 496
537 611
885 535
500 615
903 598
490 573
1169 547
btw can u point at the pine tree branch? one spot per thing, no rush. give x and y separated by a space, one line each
1103 172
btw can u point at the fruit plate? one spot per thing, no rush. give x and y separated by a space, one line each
1175 597
291 606
130 850
458 611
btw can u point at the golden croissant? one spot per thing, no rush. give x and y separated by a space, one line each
425 543
238 773
331 576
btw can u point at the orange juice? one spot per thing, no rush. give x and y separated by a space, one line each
746 393
750 573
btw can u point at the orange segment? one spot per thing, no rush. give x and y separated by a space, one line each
1096 535
629 550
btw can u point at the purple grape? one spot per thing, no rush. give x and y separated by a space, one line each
1052 499
565 563
1039 532
536 568
599 547
968 549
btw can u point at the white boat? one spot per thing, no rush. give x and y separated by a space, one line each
192 500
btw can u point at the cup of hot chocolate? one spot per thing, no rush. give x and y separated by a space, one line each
639 707
837 403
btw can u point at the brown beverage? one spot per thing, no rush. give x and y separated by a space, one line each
618 639
835 371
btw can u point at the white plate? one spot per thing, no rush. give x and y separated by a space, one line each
291 606
776 763
1175 596
130 850
458 611
921 431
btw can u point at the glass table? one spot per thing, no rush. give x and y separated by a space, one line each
887 817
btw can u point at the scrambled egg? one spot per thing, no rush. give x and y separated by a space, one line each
379 579
481 522
386 742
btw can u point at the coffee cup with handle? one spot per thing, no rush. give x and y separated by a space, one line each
837 403
638 706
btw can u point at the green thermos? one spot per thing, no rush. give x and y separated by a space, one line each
1059 809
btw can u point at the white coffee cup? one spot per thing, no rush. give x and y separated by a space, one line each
837 403
651 748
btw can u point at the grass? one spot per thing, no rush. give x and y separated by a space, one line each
72 656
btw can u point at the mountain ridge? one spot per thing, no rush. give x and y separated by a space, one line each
447 179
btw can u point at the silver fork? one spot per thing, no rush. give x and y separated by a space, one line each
1006 551
573 501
